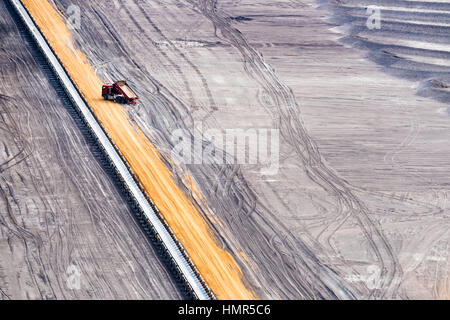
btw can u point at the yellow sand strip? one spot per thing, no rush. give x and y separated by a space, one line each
216 265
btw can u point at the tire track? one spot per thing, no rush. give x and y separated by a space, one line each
293 131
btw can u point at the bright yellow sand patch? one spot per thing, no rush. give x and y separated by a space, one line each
216 265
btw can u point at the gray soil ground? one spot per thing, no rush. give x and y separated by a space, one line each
358 208
410 41
62 219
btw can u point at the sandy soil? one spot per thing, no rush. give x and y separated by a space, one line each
62 218
359 206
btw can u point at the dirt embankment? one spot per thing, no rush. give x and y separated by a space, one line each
216 265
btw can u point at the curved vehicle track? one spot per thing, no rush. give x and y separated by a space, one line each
412 41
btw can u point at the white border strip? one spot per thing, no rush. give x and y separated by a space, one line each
187 271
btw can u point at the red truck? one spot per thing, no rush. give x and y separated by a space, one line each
119 92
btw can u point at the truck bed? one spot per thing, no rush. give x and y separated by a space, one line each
127 90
